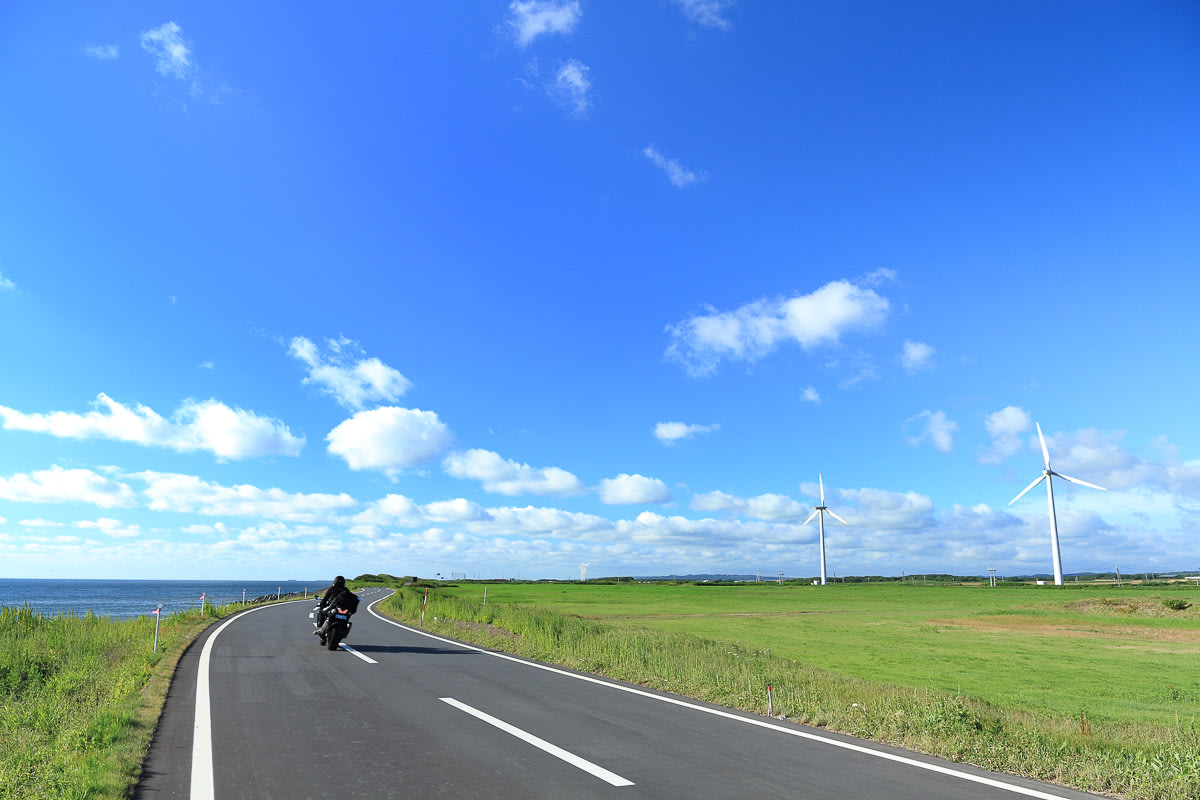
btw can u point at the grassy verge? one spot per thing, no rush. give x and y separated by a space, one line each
80 697
1133 755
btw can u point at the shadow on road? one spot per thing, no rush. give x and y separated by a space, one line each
435 651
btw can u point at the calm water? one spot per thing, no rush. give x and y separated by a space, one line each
125 599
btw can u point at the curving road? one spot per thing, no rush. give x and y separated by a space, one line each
258 710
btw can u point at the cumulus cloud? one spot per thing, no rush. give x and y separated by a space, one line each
58 485
571 87
676 173
110 527
916 356
671 432
390 439
768 507
505 476
810 395
5 283
709 13
40 523
532 18
102 52
228 433
1006 428
172 56
756 329
353 381
933 427
628 489
398 511
886 510
189 494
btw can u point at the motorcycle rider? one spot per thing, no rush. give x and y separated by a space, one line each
336 596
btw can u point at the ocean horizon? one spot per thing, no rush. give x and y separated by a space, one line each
127 599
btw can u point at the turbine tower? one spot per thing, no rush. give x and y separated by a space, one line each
583 571
819 512
1048 476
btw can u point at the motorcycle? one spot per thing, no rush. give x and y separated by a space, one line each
334 629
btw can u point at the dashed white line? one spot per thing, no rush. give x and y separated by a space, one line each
354 652
608 777
790 731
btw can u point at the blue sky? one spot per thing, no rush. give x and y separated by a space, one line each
495 289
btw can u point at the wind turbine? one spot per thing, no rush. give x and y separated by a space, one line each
1048 476
819 512
583 571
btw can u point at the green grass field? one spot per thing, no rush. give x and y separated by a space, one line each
1092 686
80 696
1119 655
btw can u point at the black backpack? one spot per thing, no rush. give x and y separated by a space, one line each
345 599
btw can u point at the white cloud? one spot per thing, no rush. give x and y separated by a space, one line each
571 86
5 283
353 383
768 507
1005 427
58 485
916 356
810 395
709 13
671 432
233 432
390 439
102 52
676 173
756 329
885 510
628 489
40 523
532 18
110 527
458 510
504 476
934 427
172 56
189 494
394 509
228 433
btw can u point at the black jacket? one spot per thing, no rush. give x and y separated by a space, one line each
339 597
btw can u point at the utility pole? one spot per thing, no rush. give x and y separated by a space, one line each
992 571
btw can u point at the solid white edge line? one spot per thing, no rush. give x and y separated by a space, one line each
912 762
202 760
608 777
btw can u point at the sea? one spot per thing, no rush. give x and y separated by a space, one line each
126 599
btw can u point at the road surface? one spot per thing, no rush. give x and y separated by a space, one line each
258 710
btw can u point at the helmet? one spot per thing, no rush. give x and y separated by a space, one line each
339 581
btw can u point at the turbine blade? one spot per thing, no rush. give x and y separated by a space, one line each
822 485
1081 483
835 516
1042 439
1027 488
810 518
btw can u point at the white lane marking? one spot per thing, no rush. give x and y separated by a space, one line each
354 652
911 762
202 760
611 778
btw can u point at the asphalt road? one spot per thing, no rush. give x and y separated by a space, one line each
259 710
